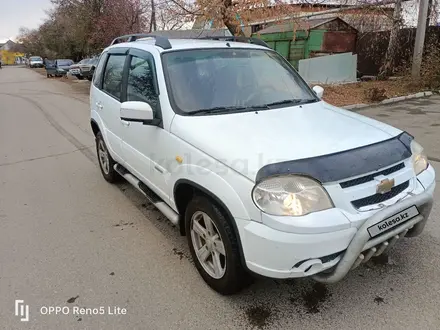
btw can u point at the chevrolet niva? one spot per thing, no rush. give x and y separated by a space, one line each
262 176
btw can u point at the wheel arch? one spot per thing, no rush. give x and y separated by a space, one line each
95 127
182 187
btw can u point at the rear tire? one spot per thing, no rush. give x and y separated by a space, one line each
106 162
219 261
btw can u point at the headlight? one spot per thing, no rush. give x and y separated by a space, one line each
291 195
419 158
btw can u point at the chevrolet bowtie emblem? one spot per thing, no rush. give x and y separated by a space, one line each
385 186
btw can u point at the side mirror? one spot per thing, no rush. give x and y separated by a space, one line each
319 91
138 112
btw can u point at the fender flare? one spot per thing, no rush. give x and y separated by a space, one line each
92 123
216 199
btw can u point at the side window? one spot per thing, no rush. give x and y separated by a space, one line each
140 85
97 78
113 75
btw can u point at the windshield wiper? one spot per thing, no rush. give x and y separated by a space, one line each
227 109
293 102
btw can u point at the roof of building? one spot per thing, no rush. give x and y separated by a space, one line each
7 45
302 25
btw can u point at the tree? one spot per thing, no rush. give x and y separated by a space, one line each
387 67
79 28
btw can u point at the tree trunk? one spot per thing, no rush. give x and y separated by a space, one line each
430 5
388 66
231 23
153 26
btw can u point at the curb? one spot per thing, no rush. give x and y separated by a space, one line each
388 101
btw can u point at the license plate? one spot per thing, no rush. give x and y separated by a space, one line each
393 221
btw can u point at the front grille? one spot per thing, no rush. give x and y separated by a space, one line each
378 198
370 177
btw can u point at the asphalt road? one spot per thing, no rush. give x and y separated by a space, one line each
68 238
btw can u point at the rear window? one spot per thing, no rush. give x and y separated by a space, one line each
35 58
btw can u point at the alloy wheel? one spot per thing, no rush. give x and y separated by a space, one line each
208 245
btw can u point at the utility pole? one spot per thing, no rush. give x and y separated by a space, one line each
420 39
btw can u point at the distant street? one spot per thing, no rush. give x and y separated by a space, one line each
68 238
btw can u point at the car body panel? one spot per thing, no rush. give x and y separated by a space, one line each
284 134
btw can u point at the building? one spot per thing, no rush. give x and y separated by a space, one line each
300 39
10 54
362 19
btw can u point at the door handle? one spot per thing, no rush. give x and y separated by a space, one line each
99 105
125 123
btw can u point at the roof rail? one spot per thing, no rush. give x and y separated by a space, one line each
161 42
255 41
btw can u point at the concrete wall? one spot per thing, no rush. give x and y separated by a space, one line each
330 69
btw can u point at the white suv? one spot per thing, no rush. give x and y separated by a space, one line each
226 139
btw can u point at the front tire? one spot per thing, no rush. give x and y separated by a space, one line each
214 247
106 162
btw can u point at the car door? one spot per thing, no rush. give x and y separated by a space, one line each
142 143
108 101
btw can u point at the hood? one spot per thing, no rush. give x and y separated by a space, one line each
248 141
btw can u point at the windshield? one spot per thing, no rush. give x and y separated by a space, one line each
84 61
36 58
232 79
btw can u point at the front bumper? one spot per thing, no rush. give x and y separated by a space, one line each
362 248
277 254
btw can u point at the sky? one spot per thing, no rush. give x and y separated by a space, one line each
17 13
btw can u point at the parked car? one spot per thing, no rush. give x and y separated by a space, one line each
75 69
88 68
36 62
62 66
262 176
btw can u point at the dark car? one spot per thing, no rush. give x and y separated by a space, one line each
62 67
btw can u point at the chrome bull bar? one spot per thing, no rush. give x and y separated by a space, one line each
362 248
